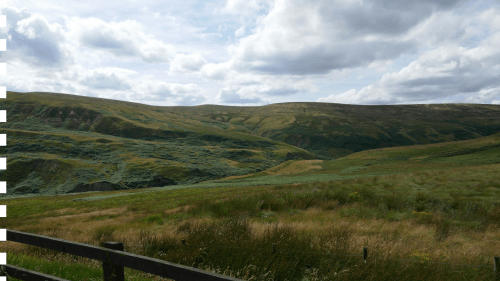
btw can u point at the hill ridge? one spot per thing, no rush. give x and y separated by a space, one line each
118 144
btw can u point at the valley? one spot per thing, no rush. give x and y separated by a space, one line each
232 182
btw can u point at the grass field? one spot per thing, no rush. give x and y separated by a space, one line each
424 213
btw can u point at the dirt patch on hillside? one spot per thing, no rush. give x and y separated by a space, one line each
295 167
288 167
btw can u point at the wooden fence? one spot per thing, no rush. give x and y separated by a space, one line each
113 257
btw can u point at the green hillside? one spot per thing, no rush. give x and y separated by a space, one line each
335 130
63 143
374 163
59 143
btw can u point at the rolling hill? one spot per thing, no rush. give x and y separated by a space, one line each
59 143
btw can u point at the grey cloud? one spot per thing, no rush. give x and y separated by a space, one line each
193 67
14 15
481 83
97 39
411 4
341 42
122 39
187 63
13 86
373 20
45 52
443 73
321 60
471 78
279 92
248 83
444 86
430 81
160 94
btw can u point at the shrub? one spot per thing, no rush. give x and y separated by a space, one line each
494 216
104 233
342 196
154 218
443 229
393 202
423 217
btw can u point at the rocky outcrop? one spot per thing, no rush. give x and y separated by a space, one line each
115 126
75 115
23 190
96 186
83 119
71 117
159 181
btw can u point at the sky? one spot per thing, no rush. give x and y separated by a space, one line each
256 52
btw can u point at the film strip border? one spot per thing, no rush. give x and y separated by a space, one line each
3 137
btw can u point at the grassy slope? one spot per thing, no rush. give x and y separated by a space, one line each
336 130
415 202
62 141
57 142
376 162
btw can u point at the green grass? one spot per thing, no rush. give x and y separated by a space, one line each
70 270
228 246
453 201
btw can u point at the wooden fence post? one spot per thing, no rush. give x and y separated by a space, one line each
496 268
365 253
111 271
114 260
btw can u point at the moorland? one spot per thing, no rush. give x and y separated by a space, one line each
417 185
60 144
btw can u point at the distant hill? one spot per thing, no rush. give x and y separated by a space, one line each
335 130
59 143
446 156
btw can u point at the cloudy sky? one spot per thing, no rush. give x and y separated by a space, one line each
256 52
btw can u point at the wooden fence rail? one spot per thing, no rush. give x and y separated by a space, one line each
113 257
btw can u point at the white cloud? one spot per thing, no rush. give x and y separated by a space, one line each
32 40
485 96
439 73
187 63
122 39
151 89
214 71
258 89
315 37
40 80
243 7
240 31
365 52
117 70
229 95
102 81
154 90
108 78
277 86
